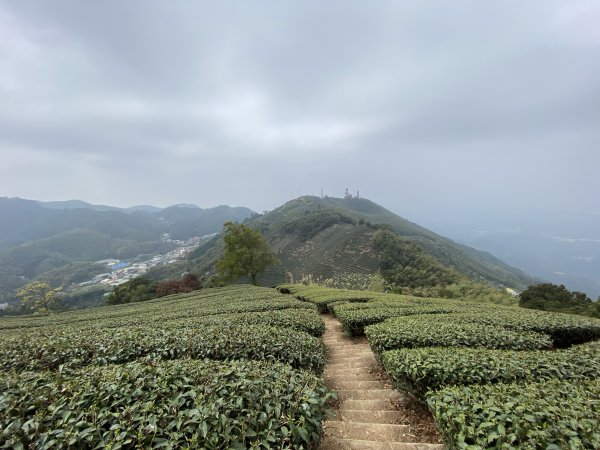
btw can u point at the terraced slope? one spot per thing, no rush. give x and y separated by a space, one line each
236 367
369 414
492 376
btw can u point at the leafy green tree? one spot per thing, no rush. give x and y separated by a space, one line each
404 264
594 308
246 253
552 297
38 295
137 290
312 223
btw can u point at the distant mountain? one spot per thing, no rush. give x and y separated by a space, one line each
143 209
61 240
560 248
23 221
184 222
75 204
326 238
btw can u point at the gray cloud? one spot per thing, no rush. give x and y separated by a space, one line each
426 108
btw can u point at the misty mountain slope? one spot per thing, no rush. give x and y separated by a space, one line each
548 248
337 251
183 223
477 265
330 238
59 240
75 204
25 220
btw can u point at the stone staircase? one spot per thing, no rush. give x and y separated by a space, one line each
367 416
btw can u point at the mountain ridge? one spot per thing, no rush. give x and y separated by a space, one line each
340 241
325 238
60 239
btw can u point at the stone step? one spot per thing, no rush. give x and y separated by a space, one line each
345 357
350 359
350 349
368 405
356 371
360 415
361 385
353 364
349 352
346 344
378 432
360 375
364 394
355 444
340 337
339 333
348 377
341 368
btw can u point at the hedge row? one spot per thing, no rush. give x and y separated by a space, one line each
564 329
183 404
232 299
354 320
307 320
448 330
551 415
73 348
430 368
322 296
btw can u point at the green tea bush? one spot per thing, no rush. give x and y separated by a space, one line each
552 415
322 296
354 320
176 404
307 320
256 306
429 368
231 299
447 330
564 329
72 348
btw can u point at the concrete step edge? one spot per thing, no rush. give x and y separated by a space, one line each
357 444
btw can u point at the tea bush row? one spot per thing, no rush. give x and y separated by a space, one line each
72 348
241 298
564 329
430 368
354 320
307 320
551 415
448 330
176 404
322 296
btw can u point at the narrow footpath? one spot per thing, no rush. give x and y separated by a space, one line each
370 414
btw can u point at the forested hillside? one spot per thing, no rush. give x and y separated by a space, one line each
344 242
61 241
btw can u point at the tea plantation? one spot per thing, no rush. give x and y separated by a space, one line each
234 367
493 376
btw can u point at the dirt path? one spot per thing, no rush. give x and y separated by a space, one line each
370 414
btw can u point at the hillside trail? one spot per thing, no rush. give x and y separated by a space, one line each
370 414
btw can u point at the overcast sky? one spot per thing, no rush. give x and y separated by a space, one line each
425 107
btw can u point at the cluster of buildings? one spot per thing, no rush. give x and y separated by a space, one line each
119 272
